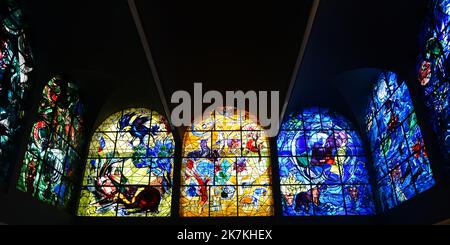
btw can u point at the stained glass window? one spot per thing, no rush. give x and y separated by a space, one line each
226 167
322 166
15 64
50 166
399 155
129 170
434 68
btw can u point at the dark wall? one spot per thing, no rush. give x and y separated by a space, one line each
97 46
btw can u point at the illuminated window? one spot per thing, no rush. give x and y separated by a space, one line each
434 68
226 167
399 155
50 167
15 61
322 166
129 170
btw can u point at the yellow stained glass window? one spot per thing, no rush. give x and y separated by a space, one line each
129 170
226 168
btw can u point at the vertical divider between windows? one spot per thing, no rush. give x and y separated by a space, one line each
276 184
176 186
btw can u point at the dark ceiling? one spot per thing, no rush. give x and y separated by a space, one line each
227 46
95 44
349 42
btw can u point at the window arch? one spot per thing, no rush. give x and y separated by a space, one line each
226 167
49 170
399 154
15 64
434 68
129 170
322 166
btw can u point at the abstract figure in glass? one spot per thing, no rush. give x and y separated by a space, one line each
51 163
129 170
226 167
15 66
399 155
322 166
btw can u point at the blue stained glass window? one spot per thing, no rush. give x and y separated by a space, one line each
398 151
15 64
322 166
433 70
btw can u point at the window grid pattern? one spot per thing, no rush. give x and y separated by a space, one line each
434 67
226 167
129 170
322 166
399 155
50 167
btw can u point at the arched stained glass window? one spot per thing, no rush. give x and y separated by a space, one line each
129 170
322 166
434 69
399 154
226 167
15 64
51 163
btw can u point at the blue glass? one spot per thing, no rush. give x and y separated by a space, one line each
355 171
395 148
358 200
374 138
285 148
319 162
386 193
298 200
380 166
403 182
398 149
421 168
433 70
294 170
331 201
382 92
295 122
402 105
384 117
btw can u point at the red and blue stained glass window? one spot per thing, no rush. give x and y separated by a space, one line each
50 167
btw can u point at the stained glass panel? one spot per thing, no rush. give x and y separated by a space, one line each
322 166
15 66
129 170
434 69
226 167
51 162
399 155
